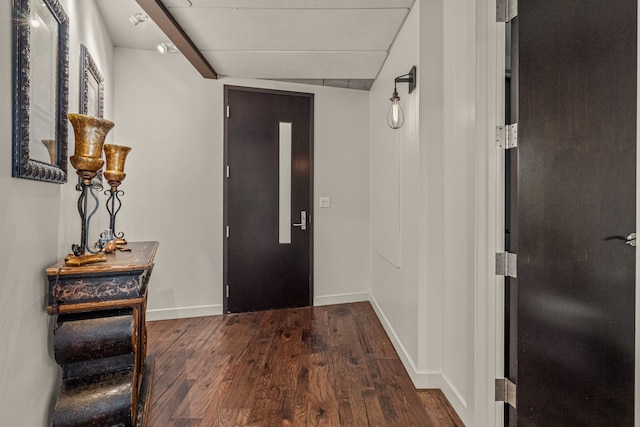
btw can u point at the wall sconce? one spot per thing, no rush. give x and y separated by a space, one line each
395 117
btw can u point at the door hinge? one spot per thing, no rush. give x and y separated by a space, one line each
228 111
507 136
227 231
227 291
506 391
228 171
507 264
506 10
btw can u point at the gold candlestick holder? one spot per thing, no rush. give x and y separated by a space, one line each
114 174
52 147
90 133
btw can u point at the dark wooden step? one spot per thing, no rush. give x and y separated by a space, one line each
105 400
97 367
85 337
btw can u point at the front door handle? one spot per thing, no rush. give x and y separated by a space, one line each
303 221
631 239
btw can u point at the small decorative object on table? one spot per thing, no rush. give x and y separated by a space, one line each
106 243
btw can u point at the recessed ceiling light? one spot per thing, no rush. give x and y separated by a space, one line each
138 18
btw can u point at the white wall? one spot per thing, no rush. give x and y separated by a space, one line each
36 233
460 71
85 27
173 119
395 197
426 300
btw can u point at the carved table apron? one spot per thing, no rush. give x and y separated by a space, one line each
100 339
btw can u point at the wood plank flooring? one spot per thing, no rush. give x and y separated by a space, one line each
315 366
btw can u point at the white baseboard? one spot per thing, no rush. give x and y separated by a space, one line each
454 397
213 310
183 312
341 298
421 379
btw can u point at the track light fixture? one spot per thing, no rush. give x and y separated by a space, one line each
167 47
138 18
395 117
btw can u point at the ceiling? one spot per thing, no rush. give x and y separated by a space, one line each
341 43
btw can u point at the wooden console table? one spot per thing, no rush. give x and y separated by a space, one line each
100 339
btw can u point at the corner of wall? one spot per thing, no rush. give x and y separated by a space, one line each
422 379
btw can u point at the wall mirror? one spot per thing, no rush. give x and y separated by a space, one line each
91 85
91 95
40 97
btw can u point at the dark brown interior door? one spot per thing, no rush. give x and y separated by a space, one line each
268 199
576 173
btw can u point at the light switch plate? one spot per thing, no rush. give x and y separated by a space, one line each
325 202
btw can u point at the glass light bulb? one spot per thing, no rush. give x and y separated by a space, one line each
395 117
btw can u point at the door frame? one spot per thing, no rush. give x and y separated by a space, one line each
488 328
637 364
225 191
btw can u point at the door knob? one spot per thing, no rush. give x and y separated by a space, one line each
303 221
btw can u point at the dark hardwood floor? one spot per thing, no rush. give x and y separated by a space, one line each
329 365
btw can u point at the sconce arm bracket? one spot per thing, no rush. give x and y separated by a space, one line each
411 78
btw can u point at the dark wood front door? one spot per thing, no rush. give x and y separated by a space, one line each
268 199
572 343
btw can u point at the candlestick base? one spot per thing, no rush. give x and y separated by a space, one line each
72 260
